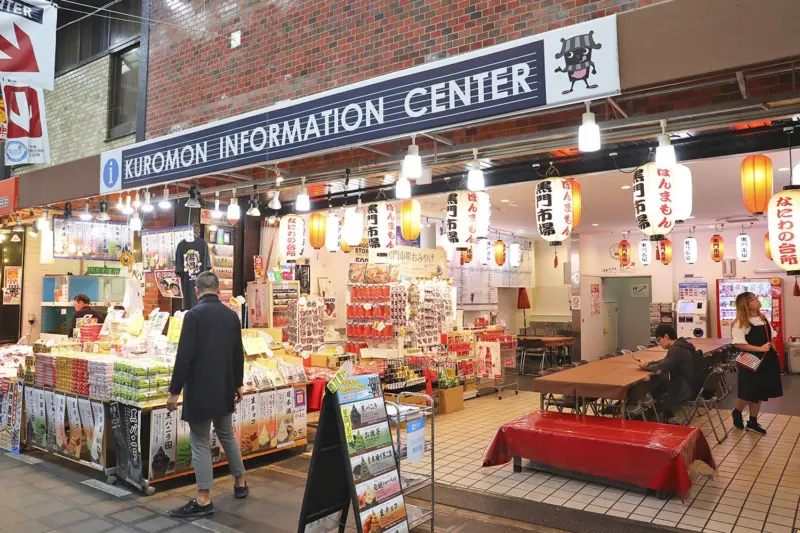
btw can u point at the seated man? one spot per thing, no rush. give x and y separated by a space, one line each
676 369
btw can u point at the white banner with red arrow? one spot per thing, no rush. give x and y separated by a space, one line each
27 142
28 42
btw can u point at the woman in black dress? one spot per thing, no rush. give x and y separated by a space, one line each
752 333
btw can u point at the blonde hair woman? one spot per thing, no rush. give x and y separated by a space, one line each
752 333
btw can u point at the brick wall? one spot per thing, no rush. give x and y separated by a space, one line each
293 49
77 114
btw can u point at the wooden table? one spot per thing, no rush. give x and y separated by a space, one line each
549 342
611 378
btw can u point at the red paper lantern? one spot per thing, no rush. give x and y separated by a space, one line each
624 253
665 246
717 248
756 174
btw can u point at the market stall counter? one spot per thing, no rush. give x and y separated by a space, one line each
645 454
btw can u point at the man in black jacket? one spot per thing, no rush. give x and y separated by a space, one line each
209 369
676 369
81 304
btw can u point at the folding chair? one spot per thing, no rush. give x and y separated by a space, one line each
607 356
623 352
534 347
641 347
714 388
640 400
564 402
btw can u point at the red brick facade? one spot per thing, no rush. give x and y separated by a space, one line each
302 47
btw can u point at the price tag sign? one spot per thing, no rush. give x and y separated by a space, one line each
340 376
348 427
174 329
415 440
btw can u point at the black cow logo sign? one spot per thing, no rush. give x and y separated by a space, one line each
577 54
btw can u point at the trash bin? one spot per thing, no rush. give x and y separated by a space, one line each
794 355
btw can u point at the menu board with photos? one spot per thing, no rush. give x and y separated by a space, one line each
79 239
354 463
158 246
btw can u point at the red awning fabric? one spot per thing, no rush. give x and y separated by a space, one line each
522 299
646 454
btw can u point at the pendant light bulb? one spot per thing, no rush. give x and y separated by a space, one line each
165 203
103 216
412 163
216 214
665 152
128 209
194 198
120 205
589 132
253 211
302 203
402 189
475 179
137 203
86 215
135 222
275 203
43 222
234 211
147 206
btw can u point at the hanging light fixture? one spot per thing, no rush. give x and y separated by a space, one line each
766 246
681 193
137 203
103 215
67 210
484 251
665 152
127 208
717 248
410 219
275 202
353 225
194 198
652 200
783 218
135 222
624 251
86 215
462 228
515 254
291 237
402 189
645 252
216 214
412 163
500 253
43 222
665 247
743 247
302 203
589 132
234 211
147 206
18 227
317 225
475 180
333 230
690 249
756 176
577 202
165 203
253 210
554 209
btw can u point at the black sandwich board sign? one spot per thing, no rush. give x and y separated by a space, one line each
354 463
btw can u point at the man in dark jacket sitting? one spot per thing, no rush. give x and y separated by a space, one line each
676 369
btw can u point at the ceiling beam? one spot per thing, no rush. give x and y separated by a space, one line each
616 107
439 138
375 151
740 79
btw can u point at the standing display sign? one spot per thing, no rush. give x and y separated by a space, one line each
28 41
354 463
11 395
489 365
27 142
559 67
126 421
12 285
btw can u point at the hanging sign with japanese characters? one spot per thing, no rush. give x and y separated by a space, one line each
381 227
652 200
462 219
554 209
291 237
784 229
28 42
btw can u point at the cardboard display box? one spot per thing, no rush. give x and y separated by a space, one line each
451 400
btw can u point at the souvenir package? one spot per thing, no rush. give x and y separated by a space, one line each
306 331
141 380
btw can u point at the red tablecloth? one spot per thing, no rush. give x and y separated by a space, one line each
646 454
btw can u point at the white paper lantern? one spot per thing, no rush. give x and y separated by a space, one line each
462 219
554 209
484 214
291 237
690 250
682 193
353 226
381 226
484 251
744 248
333 233
653 200
645 252
515 254
783 217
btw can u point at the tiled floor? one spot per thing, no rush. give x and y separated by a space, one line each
756 487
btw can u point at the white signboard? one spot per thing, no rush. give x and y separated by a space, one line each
28 42
27 142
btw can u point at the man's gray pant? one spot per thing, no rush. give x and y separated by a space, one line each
200 442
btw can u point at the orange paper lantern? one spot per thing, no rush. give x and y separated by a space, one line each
466 256
666 251
624 253
317 223
756 174
410 219
577 209
500 253
717 248
766 246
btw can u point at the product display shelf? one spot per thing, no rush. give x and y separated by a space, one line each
268 302
143 479
411 406
506 372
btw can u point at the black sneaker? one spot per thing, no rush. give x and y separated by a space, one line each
738 421
753 425
192 510
240 493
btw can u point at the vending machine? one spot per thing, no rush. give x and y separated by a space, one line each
769 293
693 319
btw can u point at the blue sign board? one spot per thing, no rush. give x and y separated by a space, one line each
560 67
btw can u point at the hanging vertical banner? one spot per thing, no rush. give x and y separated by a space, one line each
27 142
163 443
489 365
28 41
12 285
3 122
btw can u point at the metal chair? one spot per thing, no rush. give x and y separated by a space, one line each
641 347
708 398
560 403
533 347
639 401
607 356
625 352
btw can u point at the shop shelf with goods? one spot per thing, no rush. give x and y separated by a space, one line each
305 332
660 313
411 418
58 292
268 302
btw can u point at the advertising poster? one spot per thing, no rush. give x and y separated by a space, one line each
369 437
30 410
163 443
41 418
389 516
371 464
489 360
79 239
365 412
159 245
300 414
126 425
249 442
266 430
49 403
356 388
183 456
12 285
87 421
60 412
285 417
169 284
378 490
595 292
11 397
415 440
26 142
75 442
99 418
